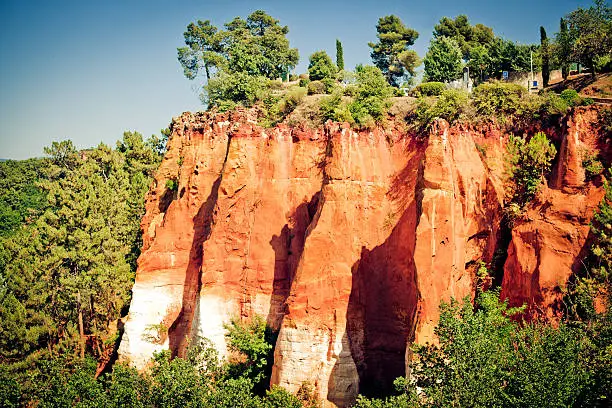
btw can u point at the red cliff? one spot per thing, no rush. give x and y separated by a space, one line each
344 241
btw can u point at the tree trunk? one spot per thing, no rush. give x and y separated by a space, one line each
81 330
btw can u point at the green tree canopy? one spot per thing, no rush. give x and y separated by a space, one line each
321 66
257 46
590 32
465 35
479 62
203 49
443 60
391 54
69 273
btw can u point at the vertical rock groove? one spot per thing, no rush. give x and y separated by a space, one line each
179 333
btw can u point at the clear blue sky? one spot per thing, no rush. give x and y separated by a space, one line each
89 70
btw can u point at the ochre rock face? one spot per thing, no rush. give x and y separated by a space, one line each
346 242
550 242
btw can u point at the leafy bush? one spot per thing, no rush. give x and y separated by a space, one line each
351 90
274 109
591 164
252 341
225 91
603 63
292 99
321 66
172 185
571 97
429 89
553 104
334 108
304 82
498 98
528 163
510 364
451 105
372 100
316 88
329 84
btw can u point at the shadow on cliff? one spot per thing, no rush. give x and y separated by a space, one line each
382 309
179 332
288 247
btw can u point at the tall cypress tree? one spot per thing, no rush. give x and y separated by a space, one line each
339 55
564 49
545 56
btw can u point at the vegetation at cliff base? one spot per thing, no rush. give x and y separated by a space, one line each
199 379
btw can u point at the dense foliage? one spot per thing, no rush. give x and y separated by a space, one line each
21 198
443 60
67 271
200 379
590 33
528 163
451 105
486 358
321 66
369 105
486 55
257 46
429 89
238 60
339 55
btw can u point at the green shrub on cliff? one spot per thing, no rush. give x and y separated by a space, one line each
429 89
225 90
450 106
498 98
486 357
373 97
528 162
370 103
252 341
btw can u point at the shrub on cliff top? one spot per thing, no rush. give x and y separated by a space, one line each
493 98
370 104
451 105
373 97
316 88
225 91
321 66
571 97
429 89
